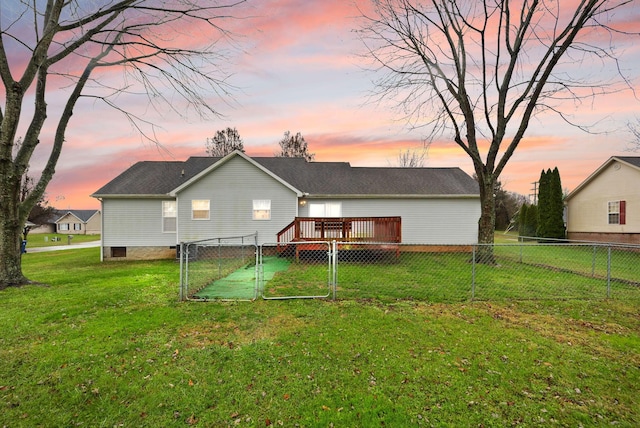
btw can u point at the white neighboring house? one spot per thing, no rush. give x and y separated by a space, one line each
605 207
153 206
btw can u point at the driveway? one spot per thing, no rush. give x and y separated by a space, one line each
91 244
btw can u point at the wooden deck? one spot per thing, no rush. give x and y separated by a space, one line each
382 232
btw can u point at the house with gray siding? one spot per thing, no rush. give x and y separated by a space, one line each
153 206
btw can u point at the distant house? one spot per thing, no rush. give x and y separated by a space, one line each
79 222
153 206
606 205
47 226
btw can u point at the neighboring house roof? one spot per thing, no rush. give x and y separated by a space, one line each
82 215
157 179
632 161
52 217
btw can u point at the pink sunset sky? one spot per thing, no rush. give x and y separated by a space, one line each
300 70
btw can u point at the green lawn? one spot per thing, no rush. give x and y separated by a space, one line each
108 344
47 239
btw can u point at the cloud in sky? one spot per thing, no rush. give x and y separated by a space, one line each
301 71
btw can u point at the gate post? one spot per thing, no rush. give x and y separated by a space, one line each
334 268
182 297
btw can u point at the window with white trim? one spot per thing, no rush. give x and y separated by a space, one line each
200 209
63 226
262 209
169 215
325 209
77 226
616 211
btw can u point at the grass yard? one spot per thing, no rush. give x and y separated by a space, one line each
38 239
108 344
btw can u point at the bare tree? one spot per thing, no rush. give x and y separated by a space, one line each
480 71
634 128
294 146
224 142
412 158
59 45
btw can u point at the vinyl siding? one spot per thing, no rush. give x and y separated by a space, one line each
93 225
444 221
587 209
134 222
69 220
231 189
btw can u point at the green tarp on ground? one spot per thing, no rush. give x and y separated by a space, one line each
241 283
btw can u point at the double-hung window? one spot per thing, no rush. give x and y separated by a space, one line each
200 209
77 226
169 216
262 209
617 212
63 226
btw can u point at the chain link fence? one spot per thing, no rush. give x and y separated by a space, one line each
219 269
525 270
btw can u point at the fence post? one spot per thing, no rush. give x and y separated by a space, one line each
521 245
609 271
259 273
334 267
181 272
219 259
593 261
473 272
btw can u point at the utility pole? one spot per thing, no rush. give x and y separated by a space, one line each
535 193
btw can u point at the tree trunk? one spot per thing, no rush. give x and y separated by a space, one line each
10 240
486 224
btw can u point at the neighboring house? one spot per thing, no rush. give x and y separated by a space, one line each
79 222
606 206
153 206
49 226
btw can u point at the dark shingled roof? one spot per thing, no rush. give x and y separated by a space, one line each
313 178
83 215
633 160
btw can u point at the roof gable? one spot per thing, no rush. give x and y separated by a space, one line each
82 215
222 161
631 161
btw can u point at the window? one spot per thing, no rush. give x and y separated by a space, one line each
200 209
325 209
617 212
262 209
118 251
77 226
168 216
63 226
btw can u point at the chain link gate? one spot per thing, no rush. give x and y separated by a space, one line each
297 270
219 268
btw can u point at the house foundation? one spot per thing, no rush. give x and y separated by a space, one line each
138 253
618 238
